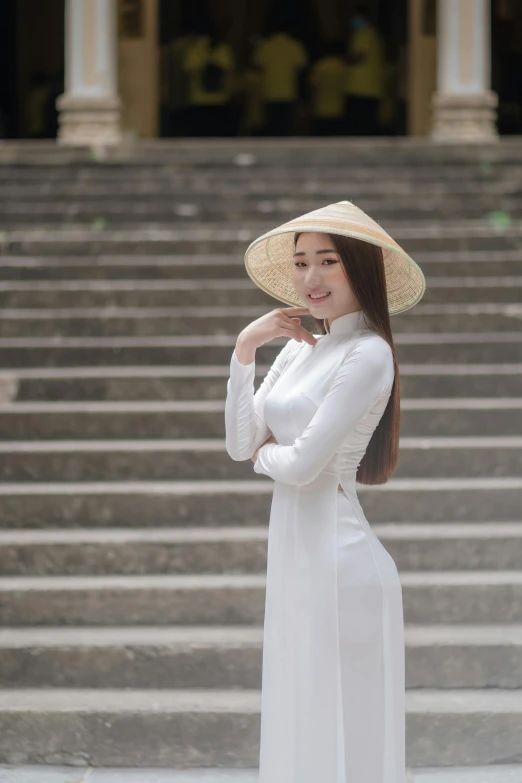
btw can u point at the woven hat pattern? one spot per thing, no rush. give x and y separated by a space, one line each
269 259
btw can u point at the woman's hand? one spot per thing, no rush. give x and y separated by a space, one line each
282 322
271 439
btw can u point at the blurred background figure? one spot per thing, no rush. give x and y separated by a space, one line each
176 81
37 106
253 115
387 113
209 63
281 60
328 80
56 86
365 74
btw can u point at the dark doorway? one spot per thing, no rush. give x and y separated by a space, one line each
506 63
32 67
240 34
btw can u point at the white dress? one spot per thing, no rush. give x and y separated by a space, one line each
333 677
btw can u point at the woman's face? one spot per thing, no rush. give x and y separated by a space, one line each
318 269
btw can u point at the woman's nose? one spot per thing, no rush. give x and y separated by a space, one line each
313 280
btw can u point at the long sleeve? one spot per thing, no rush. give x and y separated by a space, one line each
245 425
365 375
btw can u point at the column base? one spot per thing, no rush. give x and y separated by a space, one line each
91 122
464 118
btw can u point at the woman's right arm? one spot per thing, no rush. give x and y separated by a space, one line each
245 425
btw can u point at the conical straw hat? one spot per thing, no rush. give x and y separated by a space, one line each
269 259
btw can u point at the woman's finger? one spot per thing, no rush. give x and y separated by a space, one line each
299 333
294 310
303 333
289 332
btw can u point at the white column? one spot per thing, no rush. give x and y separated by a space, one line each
464 107
90 107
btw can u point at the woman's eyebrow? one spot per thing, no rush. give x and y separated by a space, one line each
302 253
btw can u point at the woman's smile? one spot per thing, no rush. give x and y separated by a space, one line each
316 297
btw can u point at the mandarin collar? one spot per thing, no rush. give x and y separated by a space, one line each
346 323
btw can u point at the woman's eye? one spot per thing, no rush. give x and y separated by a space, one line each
331 260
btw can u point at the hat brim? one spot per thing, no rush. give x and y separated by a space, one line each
269 263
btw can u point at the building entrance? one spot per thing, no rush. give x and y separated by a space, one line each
283 67
271 68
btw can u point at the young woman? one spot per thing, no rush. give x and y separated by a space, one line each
327 414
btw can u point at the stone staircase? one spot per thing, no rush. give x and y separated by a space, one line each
133 550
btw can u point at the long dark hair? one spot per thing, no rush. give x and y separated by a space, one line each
364 267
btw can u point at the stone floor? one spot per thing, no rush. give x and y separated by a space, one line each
511 773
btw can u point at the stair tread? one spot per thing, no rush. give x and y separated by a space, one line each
222 370
94 445
227 636
492 773
475 578
245 486
404 531
116 700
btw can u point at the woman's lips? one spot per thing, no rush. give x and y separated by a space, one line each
321 299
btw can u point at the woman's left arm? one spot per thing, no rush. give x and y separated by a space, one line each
365 376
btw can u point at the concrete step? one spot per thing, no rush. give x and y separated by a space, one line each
422 348
233 195
452 232
437 656
191 728
259 170
157 322
298 154
80 420
242 550
317 176
244 503
213 238
449 597
316 179
482 291
35 773
187 189
208 382
201 459
233 199
309 163
168 210
498 294
297 160
433 263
